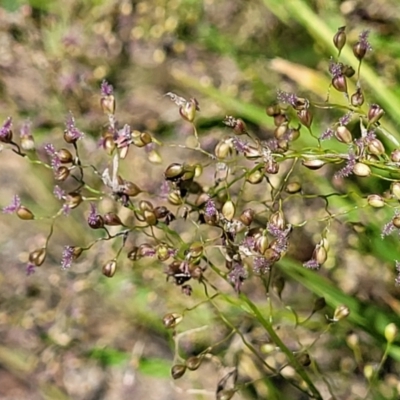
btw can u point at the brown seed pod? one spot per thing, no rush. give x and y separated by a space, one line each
171 320
343 134
357 98
178 370
174 171
24 213
65 156
38 256
112 219
109 268
339 40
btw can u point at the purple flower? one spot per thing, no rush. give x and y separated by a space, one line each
66 209
311 264
93 215
106 88
210 208
389 227
124 137
345 119
363 40
397 280
52 153
30 269
261 265
327 134
335 68
286 98
5 131
237 275
58 192
348 169
71 131
67 257
14 206
240 145
25 130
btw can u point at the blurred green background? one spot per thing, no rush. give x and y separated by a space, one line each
78 335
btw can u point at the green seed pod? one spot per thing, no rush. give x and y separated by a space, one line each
145 205
195 250
293 187
281 130
361 170
38 256
194 362
27 142
395 190
174 198
273 110
228 210
188 111
375 147
109 144
150 217
188 172
154 156
173 172
376 201
178 370
396 222
391 332
294 134
341 312
313 164
223 149
162 252
339 40
280 119
255 177
343 134
109 268
262 244
24 213
123 152
320 254
171 320
112 219
395 156
107 104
